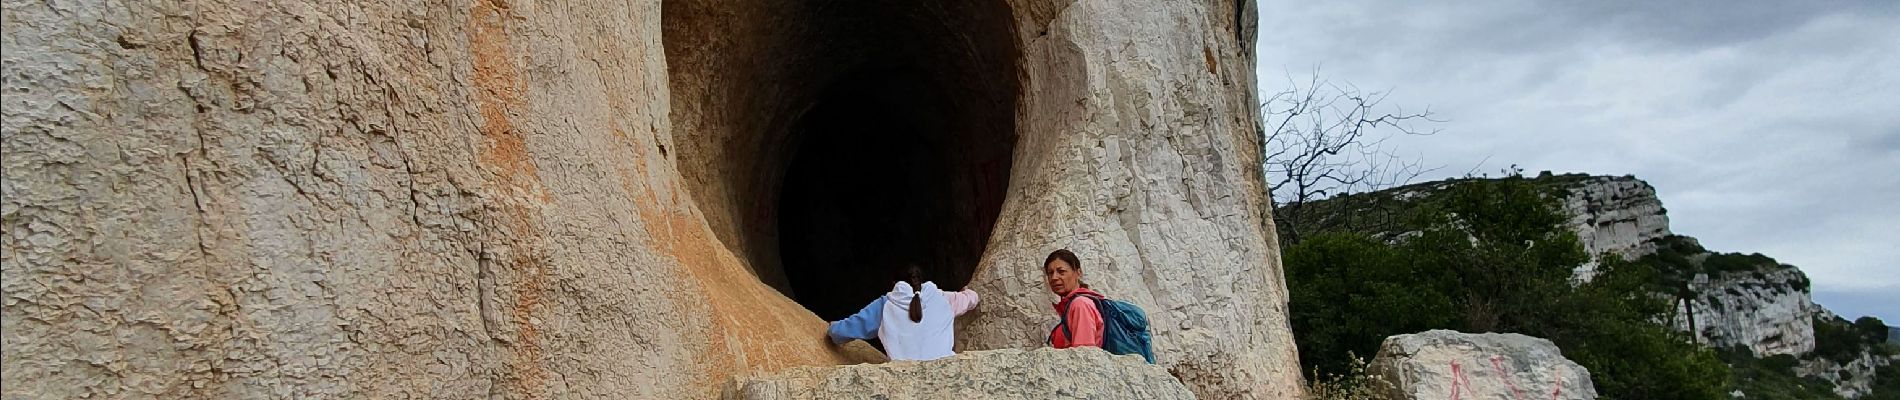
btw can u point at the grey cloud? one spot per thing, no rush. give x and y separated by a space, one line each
1704 23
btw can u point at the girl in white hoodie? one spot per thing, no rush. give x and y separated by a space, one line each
915 321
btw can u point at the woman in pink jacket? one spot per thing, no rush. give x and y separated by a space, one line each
1081 321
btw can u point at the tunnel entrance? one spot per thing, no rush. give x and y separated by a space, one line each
832 143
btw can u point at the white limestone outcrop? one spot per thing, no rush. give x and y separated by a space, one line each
1443 364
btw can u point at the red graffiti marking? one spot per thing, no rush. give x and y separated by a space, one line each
1461 383
1497 364
1458 379
1556 390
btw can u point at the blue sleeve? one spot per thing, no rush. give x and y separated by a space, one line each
860 326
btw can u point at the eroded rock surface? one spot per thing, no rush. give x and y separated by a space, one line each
1619 216
1137 153
490 199
1853 378
1084 373
1768 311
1444 364
1765 307
311 199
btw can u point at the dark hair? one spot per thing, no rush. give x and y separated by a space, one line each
916 278
1066 256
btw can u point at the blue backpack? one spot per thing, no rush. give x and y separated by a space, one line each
1124 327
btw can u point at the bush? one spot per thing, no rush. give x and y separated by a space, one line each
1836 339
1886 381
1608 328
1800 282
1349 292
1735 262
1647 361
1773 377
1872 330
1352 383
1671 260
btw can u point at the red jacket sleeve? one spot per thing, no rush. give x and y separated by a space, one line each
1085 323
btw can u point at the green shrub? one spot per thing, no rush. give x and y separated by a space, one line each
1872 330
1349 292
1773 377
1836 339
1886 380
1735 262
1352 383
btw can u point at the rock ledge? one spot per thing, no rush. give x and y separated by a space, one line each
1087 373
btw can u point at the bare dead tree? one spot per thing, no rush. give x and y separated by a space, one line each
1324 139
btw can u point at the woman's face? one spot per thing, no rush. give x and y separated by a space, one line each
1062 277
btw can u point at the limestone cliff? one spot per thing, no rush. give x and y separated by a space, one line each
608 199
1736 300
1139 155
1728 300
1766 309
1613 216
1852 378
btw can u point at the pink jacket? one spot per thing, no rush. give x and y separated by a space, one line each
1084 321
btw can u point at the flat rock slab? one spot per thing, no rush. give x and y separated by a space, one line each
1086 373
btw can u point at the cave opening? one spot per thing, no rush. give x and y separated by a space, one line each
833 143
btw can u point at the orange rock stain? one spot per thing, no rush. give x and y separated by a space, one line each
497 92
750 326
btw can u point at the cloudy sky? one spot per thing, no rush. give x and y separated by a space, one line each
1766 126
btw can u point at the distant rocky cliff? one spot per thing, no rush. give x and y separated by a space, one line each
1613 215
1767 310
1745 305
1617 215
1749 301
1728 300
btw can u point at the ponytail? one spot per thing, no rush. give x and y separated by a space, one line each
917 293
917 307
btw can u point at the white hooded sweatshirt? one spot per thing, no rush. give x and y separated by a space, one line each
929 339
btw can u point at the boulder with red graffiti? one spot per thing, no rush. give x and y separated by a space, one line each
1443 364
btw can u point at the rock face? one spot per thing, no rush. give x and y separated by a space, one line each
1852 379
1747 301
1085 373
1614 216
591 199
1445 364
309 199
1767 310
1136 155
